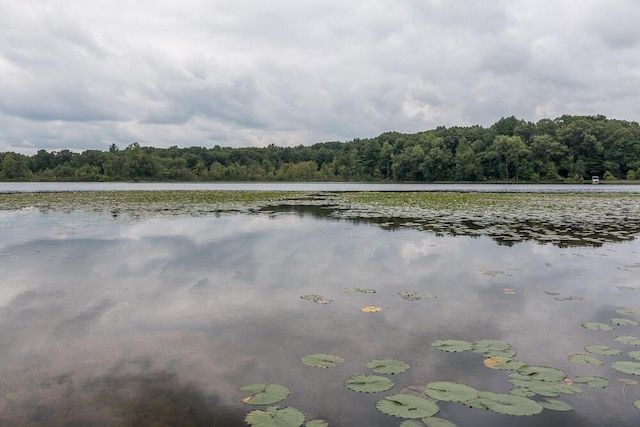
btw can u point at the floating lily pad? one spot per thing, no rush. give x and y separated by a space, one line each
627 339
436 422
524 392
387 366
636 404
543 388
503 363
450 391
452 346
542 373
596 326
592 382
317 423
632 368
585 359
627 381
371 309
265 394
626 288
556 405
507 404
415 296
275 417
368 383
492 273
322 360
484 346
634 355
625 322
628 311
412 423
319 299
602 350
407 406
360 290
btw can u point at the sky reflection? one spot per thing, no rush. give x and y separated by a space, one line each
95 309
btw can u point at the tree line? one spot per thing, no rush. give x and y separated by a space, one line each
565 149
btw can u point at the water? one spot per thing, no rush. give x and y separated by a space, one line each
117 321
19 187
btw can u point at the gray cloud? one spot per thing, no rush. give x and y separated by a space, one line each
248 73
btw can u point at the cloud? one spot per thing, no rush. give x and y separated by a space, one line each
249 73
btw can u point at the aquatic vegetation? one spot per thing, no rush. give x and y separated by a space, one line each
407 406
368 383
360 290
632 368
388 366
322 360
416 296
507 404
556 405
371 309
318 299
602 350
585 359
275 417
627 339
452 346
592 382
597 326
450 391
265 394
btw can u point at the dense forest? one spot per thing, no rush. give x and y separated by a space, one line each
568 148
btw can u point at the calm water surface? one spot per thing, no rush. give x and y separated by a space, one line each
115 321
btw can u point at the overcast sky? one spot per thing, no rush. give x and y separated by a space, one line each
82 74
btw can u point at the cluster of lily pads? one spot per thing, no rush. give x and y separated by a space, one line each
597 351
405 295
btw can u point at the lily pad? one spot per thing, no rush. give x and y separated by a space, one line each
452 346
634 355
387 366
556 405
602 350
407 406
542 373
592 382
322 360
360 290
524 392
371 309
487 346
627 381
543 388
507 404
319 299
585 359
628 311
450 391
368 383
412 423
596 326
415 296
632 368
265 394
503 363
625 322
436 422
636 404
317 423
627 339
275 417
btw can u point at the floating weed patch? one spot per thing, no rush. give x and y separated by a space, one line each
368 383
492 273
359 290
388 366
275 417
415 296
265 394
407 406
452 346
319 299
322 360
596 326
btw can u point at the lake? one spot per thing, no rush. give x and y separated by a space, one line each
120 319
